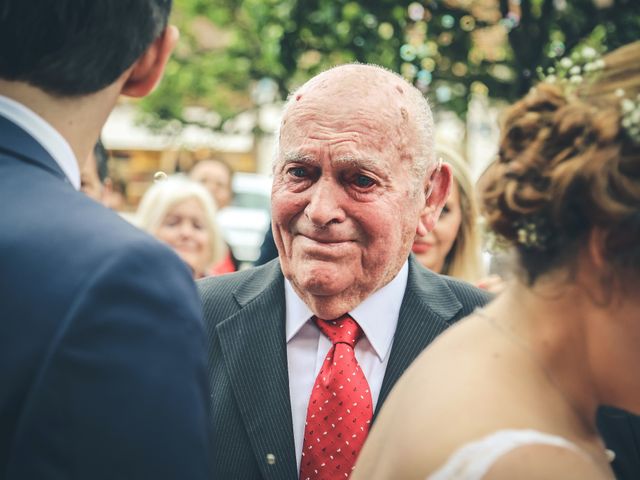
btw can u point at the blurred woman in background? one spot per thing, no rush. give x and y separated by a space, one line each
181 213
453 247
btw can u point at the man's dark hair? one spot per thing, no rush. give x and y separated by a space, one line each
102 160
75 47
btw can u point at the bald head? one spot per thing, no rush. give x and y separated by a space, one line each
391 104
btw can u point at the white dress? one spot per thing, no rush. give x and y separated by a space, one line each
473 460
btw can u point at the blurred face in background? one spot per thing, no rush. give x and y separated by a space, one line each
90 182
432 249
184 228
216 178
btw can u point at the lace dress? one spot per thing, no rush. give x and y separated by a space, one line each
473 460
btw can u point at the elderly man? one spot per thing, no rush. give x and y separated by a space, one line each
102 351
304 350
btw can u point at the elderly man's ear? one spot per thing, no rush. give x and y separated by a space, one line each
437 188
142 77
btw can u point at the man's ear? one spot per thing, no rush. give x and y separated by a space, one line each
147 71
437 188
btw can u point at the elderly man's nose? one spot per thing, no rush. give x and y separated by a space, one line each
324 206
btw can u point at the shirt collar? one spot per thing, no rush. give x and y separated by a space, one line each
47 136
377 315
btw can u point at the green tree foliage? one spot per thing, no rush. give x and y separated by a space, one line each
448 48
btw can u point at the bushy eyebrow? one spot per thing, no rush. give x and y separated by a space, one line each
297 157
349 161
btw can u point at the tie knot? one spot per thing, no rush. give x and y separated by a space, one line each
341 330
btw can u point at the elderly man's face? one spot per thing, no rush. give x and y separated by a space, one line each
345 207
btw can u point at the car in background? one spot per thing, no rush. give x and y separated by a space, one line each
245 222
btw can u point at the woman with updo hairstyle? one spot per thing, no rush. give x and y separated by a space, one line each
513 390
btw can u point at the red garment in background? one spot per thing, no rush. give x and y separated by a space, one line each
226 265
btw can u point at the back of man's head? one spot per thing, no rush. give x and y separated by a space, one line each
75 47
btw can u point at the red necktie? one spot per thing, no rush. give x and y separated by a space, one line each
340 408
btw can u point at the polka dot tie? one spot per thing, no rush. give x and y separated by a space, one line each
340 407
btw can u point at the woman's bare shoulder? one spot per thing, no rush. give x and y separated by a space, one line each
445 399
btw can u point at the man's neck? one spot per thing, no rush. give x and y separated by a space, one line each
78 119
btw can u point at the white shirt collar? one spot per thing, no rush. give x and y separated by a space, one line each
377 315
47 136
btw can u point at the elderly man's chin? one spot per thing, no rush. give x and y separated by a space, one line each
321 278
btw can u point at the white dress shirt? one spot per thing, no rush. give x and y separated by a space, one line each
47 136
307 347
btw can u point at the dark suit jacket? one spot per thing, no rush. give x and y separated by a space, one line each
245 322
102 352
621 433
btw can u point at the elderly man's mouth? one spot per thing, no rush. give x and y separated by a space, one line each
328 241
324 246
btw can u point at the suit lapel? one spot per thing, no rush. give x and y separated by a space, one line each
255 354
427 307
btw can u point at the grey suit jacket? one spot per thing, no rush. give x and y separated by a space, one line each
245 321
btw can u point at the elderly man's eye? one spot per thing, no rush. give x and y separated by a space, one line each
299 172
363 181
